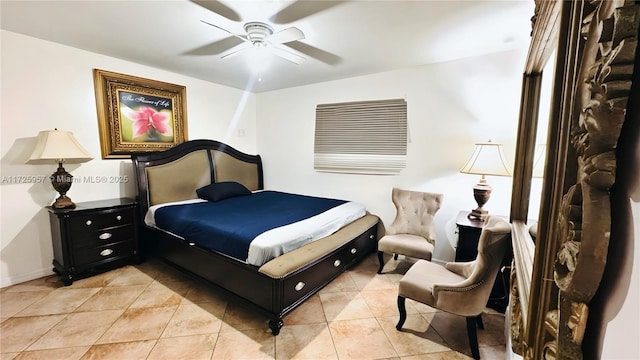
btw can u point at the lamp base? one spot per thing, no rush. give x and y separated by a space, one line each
478 214
61 181
481 193
63 202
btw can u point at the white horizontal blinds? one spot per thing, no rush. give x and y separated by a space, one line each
361 137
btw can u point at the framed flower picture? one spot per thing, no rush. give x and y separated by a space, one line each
137 114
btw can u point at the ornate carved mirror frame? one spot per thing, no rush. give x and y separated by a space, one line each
554 281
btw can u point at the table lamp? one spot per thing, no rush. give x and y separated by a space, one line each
487 159
60 146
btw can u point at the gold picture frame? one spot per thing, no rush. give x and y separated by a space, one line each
137 114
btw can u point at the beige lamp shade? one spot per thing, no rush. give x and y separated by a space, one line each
60 146
488 159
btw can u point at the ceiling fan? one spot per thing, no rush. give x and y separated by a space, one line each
259 34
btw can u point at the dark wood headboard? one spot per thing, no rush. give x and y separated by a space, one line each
175 174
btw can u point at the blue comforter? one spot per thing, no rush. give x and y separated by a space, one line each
228 226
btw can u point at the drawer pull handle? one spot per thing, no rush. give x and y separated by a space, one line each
354 250
191 244
371 236
105 236
89 222
106 252
337 263
119 217
299 286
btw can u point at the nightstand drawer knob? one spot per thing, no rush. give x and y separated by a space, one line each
354 250
337 263
106 252
119 217
371 236
299 286
105 236
89 222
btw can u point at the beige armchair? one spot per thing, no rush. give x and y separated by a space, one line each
460 288
412 232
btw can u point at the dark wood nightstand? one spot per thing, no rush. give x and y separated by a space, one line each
94 237
468 236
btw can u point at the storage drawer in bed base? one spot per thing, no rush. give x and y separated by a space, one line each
272 297
307 281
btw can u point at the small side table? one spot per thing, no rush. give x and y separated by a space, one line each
468 237
94 237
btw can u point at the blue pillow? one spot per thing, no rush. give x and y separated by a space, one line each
222 190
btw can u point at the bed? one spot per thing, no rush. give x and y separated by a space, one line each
274 284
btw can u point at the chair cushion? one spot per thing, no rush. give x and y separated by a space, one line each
406 244
417 283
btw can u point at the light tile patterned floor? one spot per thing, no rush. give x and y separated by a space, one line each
151 311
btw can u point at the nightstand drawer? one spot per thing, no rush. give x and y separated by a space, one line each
88 255
101 219
104 236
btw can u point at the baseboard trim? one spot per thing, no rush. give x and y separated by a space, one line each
17 279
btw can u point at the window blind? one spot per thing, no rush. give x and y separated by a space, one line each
361 137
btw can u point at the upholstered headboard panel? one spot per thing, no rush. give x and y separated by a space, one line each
175 174
179 179
230 168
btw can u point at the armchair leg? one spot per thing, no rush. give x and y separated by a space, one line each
473 336
381 261
479 322
403 312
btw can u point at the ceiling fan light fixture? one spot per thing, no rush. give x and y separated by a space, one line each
257 33
260 36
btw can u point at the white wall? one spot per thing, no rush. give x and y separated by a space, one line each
47 85
451 106
622 330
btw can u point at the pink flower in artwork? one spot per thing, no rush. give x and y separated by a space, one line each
147 120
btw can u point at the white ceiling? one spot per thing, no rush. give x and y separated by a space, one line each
346 38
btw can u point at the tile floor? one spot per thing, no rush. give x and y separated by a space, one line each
151 311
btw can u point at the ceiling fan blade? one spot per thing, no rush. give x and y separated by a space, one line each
235 50
318 54
219 8
287 55
301 9
243 38
216 47
286 35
